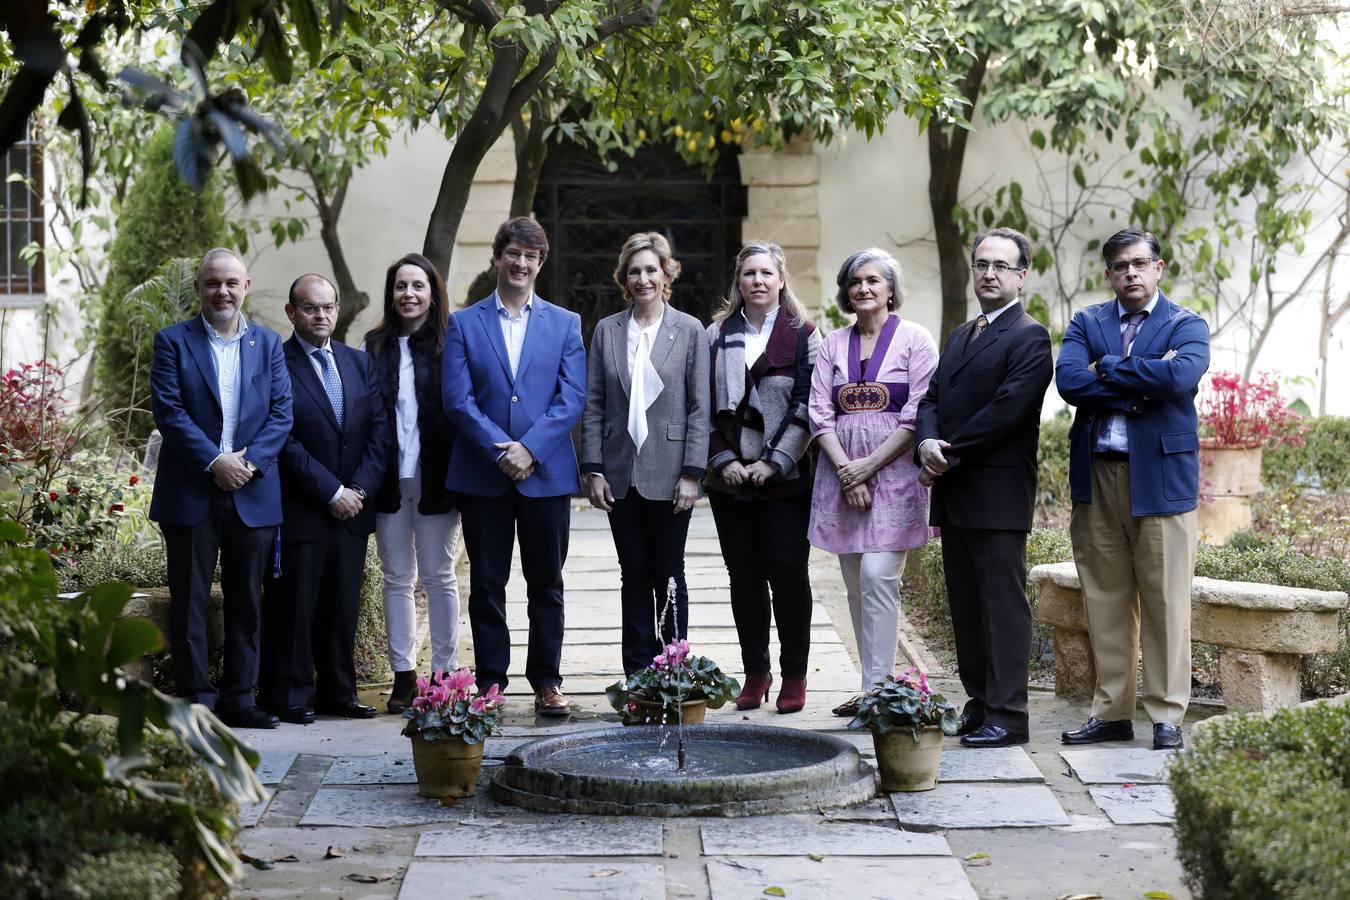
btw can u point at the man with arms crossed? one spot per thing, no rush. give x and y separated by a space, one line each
514 385
1132 365
977 432
222 401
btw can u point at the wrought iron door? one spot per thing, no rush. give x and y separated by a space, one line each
589 212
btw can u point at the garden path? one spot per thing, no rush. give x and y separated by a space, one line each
345 820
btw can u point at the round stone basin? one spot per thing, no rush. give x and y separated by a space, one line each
730 770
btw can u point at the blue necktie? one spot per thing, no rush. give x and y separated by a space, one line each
331 383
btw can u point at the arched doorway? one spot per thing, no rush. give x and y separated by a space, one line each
589 212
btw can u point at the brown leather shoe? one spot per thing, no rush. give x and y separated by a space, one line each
849 707
549 701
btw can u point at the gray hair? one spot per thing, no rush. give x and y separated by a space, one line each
890 268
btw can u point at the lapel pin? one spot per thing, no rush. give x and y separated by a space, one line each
250 343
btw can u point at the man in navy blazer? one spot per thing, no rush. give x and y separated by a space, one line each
514 385
222 401
335 454
1132 366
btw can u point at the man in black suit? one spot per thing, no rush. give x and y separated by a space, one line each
977 430
335 453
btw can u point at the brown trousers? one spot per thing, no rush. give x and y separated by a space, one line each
1136 573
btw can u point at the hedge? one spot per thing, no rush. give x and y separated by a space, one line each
1262 805
1323 460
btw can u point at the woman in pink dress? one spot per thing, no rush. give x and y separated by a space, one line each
867 505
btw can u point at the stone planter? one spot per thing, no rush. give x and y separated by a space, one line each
906 764
651 712
446 768
1229 477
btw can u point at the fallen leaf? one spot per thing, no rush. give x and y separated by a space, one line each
289 857
978 854
1127 785
982 861
1079 897
362 878
1158 895
263 864
449 801
815 857
775 891
604 873
334 853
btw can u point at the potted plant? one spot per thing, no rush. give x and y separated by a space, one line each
677 687
1237 418
907 721
448 722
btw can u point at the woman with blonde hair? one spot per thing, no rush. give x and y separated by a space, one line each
644 440
763 349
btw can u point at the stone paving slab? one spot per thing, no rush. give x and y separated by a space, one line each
721 637
1004 764
381 807
777 836
473 880
388 769
1118 765
924 878
979 806
274 765
251 813
330 736
818 684
701 615
1145 804
593 659
565 836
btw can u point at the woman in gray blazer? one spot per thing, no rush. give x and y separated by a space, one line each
644 440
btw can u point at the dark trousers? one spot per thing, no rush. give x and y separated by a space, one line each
192 552
491 527
649 539
986 573
310 621
765 548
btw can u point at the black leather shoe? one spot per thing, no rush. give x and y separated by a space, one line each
1166 737
352 710
1095 731
250 718
296 715
968 724
988 735
403 691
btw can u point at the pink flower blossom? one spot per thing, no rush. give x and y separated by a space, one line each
673 656
461 683
478 705
494 695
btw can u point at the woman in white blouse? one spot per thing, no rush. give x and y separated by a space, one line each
416 526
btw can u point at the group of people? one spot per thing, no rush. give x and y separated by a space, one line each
280 459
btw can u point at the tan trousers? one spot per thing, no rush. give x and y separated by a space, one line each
1136 574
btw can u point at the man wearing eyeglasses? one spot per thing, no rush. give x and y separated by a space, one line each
977 432
336 452
514 384
1132 366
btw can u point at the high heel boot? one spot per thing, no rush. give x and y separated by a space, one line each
755 691
401 696
792 696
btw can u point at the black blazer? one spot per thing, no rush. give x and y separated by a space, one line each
318 456
985 400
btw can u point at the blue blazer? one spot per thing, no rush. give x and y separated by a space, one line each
539 407
185 400
1156 396
319 457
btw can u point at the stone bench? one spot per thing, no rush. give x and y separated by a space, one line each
153 604
1261 631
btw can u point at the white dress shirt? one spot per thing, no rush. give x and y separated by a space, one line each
309 350
513 329
1117 436
644 382
756 339
989 317
405 415
225 352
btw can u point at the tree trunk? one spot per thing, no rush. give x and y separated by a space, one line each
531 153
354 300
946 156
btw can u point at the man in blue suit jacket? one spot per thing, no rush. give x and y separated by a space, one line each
514 385
334 456
1132 366
222 401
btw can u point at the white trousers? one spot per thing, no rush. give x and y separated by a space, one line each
411 544
873 583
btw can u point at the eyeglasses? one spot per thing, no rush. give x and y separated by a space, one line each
1141 264
309 309
1000 268
519 256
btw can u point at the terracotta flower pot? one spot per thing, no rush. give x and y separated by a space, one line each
446 768
1229 477
650 712
906 764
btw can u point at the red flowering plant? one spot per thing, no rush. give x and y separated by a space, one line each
675 676
1235 412
31 418
448 706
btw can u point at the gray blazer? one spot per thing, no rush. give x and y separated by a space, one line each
677 420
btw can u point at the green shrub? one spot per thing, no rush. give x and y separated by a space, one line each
1324 457
1053 502
372 638
137 872
161 219
1261 805
141 566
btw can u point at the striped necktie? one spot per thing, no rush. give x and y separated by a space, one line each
332 384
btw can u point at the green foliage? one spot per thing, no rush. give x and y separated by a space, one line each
67 508
904 702
1323 460
372 638
1261 804
162 220
674 677
1053 500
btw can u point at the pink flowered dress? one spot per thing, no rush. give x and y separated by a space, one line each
863 405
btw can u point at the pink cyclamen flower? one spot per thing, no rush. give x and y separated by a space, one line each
478 705
461 683
494 695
